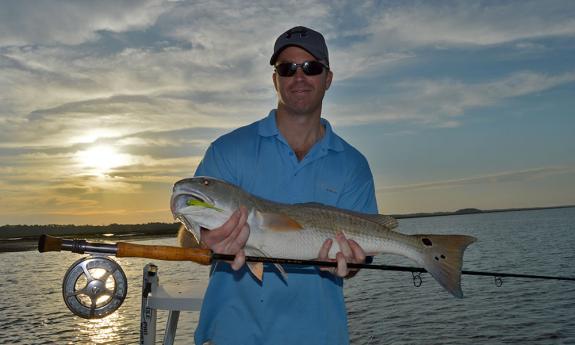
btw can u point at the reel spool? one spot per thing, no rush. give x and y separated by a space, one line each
94 287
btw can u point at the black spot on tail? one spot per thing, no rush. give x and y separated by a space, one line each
427 242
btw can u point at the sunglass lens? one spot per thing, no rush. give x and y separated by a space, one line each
286 69
312 68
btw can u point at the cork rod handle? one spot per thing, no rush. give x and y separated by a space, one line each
197 255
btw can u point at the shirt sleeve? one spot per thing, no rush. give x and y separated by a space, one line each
216 164
359 192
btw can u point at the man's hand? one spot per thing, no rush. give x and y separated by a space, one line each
230 238
350 252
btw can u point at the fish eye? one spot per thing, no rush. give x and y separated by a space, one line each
206 182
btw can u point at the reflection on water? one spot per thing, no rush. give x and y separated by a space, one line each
103 331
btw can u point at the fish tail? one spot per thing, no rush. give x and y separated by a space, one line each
442 257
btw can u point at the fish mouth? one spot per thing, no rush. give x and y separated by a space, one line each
200 197
180 200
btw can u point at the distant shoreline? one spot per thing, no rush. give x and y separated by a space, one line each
465 211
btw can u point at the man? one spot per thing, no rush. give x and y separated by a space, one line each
291 156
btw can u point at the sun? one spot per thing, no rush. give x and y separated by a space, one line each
101 159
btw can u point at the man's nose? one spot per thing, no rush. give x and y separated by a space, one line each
299 73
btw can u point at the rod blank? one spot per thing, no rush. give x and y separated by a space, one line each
384 267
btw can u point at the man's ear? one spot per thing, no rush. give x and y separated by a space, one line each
274 80
328 79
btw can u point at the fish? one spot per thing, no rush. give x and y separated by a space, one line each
297 231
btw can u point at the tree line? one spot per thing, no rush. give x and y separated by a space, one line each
32 231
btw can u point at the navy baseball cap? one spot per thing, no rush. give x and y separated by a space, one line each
305 38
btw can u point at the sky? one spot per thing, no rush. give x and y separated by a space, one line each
104 105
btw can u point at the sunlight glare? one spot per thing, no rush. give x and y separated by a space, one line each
104 331
101 159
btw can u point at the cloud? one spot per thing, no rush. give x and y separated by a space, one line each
471 23
391 33
59 90
65 22
503 177
439 102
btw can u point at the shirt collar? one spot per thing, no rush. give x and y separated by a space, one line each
268 128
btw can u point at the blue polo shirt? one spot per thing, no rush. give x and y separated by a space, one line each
309 307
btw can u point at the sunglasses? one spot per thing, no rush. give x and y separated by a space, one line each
288 69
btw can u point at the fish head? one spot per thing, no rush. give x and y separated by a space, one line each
204 201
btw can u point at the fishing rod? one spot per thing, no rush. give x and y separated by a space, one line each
205 257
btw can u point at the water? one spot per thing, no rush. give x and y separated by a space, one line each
33 312
384 307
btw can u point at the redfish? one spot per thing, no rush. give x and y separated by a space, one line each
298 231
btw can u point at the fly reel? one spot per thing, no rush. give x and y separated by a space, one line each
94 287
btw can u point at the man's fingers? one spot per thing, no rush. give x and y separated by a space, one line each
239 260
323 254
240 234
344 247
324 250
341 270
358 253
220 234
230 238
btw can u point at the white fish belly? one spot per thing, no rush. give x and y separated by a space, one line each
293 244
306 244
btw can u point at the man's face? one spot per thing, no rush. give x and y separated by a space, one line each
300 94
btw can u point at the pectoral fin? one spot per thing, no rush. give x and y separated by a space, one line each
257 269
282 272
277 222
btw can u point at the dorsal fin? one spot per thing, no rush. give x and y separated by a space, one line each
387 221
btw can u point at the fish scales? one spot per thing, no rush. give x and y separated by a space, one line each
373 237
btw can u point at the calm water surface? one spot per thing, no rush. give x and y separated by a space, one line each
384 307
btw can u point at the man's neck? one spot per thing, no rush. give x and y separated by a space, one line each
301 131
